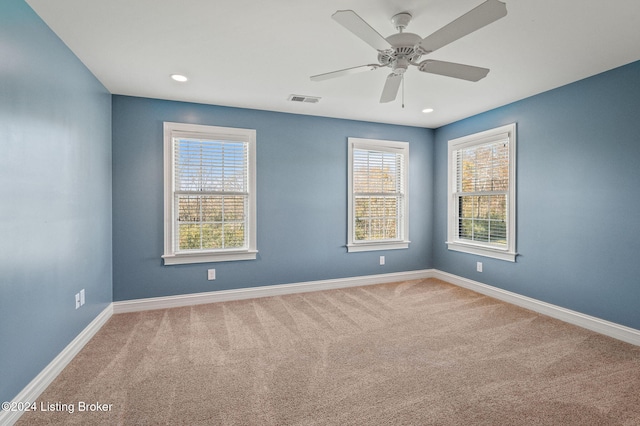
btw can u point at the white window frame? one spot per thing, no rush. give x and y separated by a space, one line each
174 130
382 146
507 252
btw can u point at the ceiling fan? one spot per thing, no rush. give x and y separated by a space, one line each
400 50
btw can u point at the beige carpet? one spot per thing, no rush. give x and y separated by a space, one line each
410 353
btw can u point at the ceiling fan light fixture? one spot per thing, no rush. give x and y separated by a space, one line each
400 65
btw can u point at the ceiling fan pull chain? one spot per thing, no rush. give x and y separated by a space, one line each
402 91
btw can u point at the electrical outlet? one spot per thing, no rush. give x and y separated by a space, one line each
382 260
479 266
211 274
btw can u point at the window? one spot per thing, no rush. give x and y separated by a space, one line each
482 206
210 207
378 201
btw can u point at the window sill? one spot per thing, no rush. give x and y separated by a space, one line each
483 251
186 258
393 245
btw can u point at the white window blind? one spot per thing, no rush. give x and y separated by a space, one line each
210 211
211 194
482 190
377 194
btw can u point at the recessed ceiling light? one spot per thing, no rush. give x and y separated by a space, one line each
427 110
179 77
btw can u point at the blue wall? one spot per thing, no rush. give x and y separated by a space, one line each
301 200
578 187
55 196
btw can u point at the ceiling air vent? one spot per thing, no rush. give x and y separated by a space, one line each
306 99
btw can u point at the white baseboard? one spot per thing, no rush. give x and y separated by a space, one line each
611 329
265 291
33 390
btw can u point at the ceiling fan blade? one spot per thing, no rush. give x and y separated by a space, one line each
391 87
451 69
488 12
346 71
358 26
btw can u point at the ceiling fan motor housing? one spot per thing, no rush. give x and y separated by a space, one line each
404 51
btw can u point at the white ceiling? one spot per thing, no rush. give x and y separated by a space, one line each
252 54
